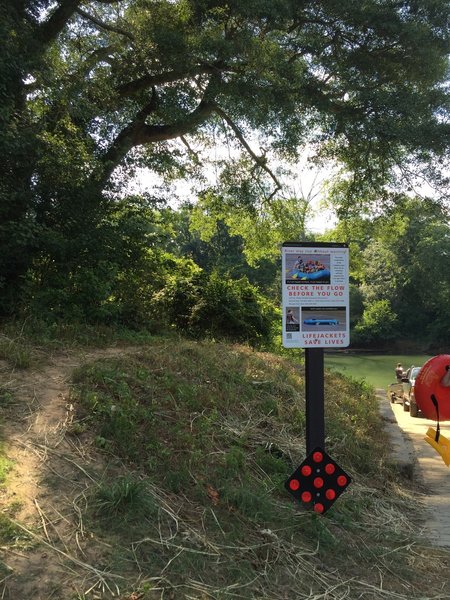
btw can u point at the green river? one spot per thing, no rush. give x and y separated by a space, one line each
376 369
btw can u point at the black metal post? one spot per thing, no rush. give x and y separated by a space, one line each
315 399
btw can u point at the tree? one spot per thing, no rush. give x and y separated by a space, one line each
378 324
262 230
94 86
402 273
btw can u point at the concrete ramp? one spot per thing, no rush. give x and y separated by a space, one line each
419 461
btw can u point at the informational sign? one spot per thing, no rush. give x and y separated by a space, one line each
315 286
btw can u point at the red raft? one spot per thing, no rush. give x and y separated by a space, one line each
432 388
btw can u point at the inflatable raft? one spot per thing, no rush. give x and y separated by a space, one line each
296 274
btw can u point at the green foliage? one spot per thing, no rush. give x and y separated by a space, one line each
112 403
231 309
356 298
399 257
381 272
185 406
379 324
124 402
125 498
5 464
16 351
213 473
201 505
122 276
352 414
9 532
271 465
251 503
263 227
235 460
217 307
91 94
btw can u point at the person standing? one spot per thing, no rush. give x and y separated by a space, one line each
290 318
399 372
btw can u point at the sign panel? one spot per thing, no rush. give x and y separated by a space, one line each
315 287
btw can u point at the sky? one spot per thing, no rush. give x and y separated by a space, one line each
307 182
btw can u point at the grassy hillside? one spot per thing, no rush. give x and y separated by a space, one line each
182 449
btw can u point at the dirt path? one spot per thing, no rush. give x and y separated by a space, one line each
51 473
412 452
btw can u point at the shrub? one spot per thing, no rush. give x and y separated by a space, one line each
231 309
217 307
378 323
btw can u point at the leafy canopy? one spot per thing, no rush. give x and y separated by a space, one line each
92 89
363 82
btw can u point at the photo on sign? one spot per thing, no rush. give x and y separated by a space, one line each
308 268
333 318
292 319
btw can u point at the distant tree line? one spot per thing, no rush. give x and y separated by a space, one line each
399 273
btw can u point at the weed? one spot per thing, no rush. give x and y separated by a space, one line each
6 397
269 406
234 460
4 571
77 428
178 480
9 531
254 504
216 427
5 464
126 498
270 464
23 343
17 352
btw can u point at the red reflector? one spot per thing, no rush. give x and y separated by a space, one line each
342 480
306 497
318 481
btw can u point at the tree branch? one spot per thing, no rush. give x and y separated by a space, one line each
103 25
50 29
146 81
147 134
138 132
101 54
191 151
123 143
260 161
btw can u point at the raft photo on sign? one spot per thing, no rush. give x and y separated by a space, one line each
308 268
323 318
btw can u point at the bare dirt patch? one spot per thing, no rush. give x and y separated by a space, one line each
53 557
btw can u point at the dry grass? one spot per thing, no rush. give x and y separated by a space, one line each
167 482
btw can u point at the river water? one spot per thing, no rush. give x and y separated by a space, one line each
376 369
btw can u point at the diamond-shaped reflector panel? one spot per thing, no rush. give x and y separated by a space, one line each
318 482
